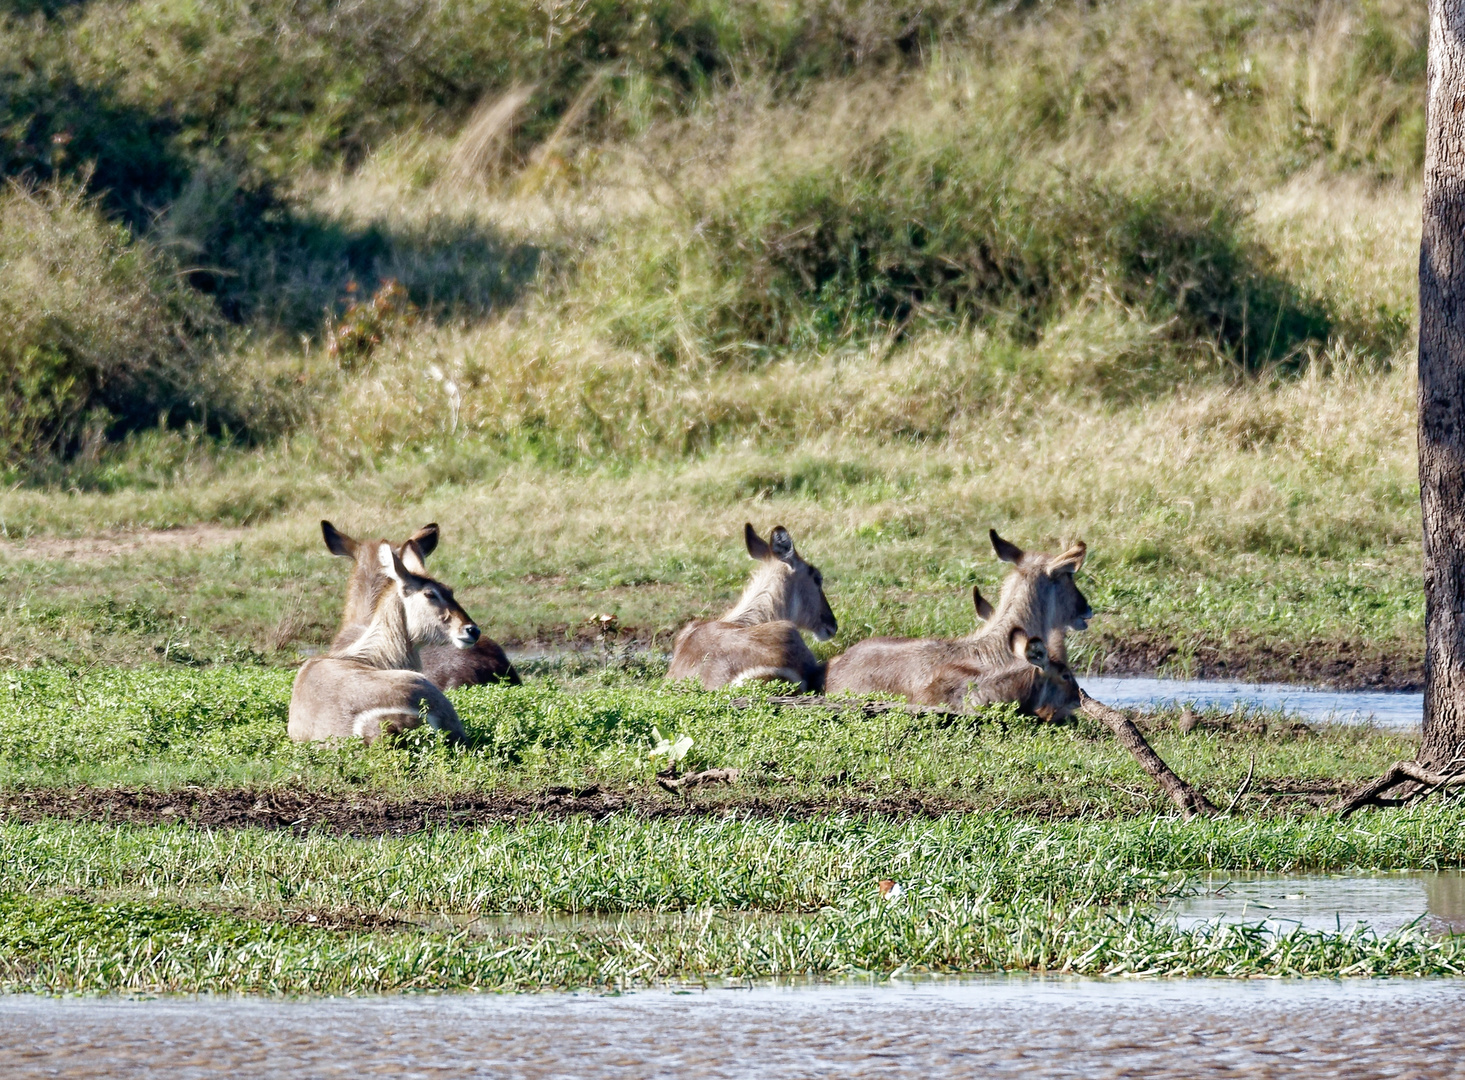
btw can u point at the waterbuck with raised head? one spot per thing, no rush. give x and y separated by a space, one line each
371 684
485 662
758 638
1018 655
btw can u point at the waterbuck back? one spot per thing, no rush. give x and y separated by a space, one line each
370 684
1039 603
759 637
485 662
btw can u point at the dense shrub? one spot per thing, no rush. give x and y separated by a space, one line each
98 333
945 230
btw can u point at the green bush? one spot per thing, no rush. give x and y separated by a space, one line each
947 230
98 333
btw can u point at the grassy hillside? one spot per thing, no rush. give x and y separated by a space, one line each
593 286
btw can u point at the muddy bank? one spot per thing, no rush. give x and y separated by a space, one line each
368 815
1340 665
377 815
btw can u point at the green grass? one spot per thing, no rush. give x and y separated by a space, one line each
624 864
1052 855
984 893
165 727
70 945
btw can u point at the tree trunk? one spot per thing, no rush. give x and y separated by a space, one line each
1442 387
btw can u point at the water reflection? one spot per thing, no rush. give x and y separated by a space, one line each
1384 902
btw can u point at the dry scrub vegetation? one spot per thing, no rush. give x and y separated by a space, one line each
1138 272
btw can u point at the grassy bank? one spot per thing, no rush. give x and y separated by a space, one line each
166 729
1258 530
594 292
162 834
94 907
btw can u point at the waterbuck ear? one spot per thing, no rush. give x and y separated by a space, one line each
1070 561
337 542
757 546
984 608
412 556
781 542
1006 551
391 565
1030 649
425 538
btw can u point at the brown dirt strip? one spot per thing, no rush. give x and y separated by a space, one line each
109 545
368 815
1341 665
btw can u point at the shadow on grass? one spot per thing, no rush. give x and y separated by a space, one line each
267 263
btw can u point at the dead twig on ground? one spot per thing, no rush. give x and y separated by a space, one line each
1246 783
1190 801
698 779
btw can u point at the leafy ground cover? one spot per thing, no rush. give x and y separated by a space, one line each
1019 846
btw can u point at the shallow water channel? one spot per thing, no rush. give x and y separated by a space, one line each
932 1027
1433 902
1396 710
1000 1026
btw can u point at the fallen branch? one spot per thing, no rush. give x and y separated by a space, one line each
697 779
1190 801
1401 772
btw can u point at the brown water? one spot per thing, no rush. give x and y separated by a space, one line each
996 1027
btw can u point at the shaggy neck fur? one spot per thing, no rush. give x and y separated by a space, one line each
385 643
766 597
1019 608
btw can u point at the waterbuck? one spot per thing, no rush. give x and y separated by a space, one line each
485 662
759 639
1018 655
372 684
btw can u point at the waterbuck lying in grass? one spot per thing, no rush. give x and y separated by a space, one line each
758 639
371 684
1016 656
485 662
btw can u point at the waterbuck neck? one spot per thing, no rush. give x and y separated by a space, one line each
385 643
766 597
1020 606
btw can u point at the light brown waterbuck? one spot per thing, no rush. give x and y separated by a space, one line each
1018 655
759 639
485 662
371 684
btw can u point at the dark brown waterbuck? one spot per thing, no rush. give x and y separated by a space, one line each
1017 656
758 638
485 662
370 684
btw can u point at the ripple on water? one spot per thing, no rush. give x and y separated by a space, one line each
994 1027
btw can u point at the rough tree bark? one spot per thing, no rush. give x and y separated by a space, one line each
1441 422
1442 387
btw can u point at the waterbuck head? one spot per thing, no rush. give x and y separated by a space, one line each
367 581
1040 595
433 616
784 586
